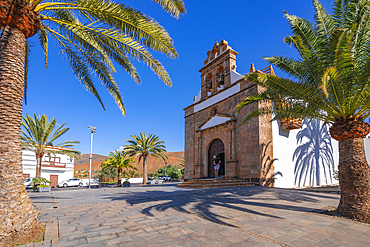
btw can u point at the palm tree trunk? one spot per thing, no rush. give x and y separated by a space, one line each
354 180
119 177
145 173
38 167
18 215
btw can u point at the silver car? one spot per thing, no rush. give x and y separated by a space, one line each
27 183
71 182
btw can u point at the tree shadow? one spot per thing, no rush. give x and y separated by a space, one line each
266 167
220 204
315 151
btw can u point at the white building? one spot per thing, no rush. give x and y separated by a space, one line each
54 168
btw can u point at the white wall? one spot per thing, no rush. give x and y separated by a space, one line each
29 166
301 170
217 98
136 180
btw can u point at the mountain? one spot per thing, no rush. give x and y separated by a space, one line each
85 158
174 158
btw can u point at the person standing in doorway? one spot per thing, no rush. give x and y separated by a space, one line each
216 165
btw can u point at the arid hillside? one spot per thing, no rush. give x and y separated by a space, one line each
174 159
85 159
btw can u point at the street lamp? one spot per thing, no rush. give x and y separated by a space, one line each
93 129
165 167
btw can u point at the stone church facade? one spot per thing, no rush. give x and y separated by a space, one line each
211 125
285 153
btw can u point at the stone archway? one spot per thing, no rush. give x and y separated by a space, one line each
216 149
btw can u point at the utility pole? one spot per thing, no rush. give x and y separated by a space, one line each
93 129
165 167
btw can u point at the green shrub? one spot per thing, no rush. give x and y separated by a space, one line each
39 182
42 186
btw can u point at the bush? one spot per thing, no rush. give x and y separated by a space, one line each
42 186
39 182
171 171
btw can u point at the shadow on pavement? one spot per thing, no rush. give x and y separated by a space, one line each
239 199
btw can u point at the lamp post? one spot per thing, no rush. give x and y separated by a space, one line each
165 167
93 129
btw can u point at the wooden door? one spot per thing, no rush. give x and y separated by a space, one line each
215 149
54 181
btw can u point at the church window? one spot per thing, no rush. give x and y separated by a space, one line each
221 80
213 111
220 77
209 82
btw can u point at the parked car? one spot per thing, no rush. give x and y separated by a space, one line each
159 181
151 180
93 182
71 182
27 183
165 178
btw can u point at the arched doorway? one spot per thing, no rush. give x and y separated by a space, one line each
216 149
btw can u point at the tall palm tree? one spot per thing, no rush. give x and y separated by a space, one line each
143 146
39 137
92 35
120 160
330 82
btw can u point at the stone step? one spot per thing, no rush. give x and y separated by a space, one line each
211 185
205 181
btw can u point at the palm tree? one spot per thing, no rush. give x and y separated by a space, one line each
331 83
107 173
92 35
143 146
39 138
313 154
121 161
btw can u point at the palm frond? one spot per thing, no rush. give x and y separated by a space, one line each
26 66
130 21
44 42
173 7
77 63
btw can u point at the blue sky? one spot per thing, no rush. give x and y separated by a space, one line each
252 28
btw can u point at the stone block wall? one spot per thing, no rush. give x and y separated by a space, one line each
253 140
248 148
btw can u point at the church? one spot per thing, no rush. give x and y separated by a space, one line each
286 153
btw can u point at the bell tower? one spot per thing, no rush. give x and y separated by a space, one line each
216 72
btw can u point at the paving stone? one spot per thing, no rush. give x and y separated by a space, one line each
315 236
278 214
178 233
98 244
237 237
76 242
303 242
66 234
118 240
285 239
101 238
83 235
130 233
330 242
